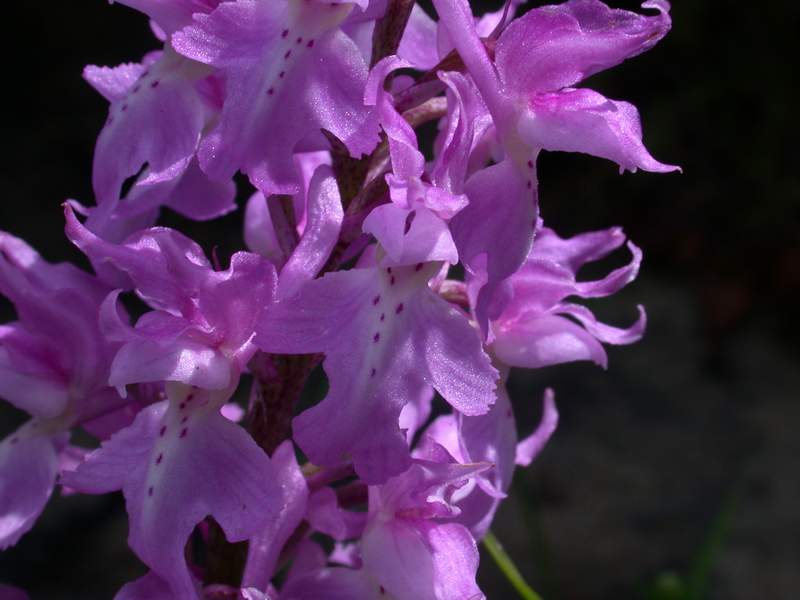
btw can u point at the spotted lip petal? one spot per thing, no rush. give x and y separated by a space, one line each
180 461
157 119
285 63
385 335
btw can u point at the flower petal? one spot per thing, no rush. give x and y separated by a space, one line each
581 120
285 65
502 206
28 468
266 545
30 377
323 223
175 466
157 122
384 333
554 47
150 587
422 560
530 447
546 340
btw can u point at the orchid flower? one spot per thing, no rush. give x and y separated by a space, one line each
527 89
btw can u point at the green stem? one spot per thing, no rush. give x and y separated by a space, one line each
509 569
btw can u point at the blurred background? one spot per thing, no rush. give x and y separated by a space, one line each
673 475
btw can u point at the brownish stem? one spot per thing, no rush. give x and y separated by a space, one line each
350 172
389 29
278 380
277 385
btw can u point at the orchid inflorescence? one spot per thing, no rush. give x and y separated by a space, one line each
356 241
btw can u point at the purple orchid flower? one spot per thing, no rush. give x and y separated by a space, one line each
413 227
158 111
180 461
266 87
411 548
538 327
54 365
286 63
201 330
386 335
490 438
527 91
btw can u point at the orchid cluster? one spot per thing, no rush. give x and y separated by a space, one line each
404 275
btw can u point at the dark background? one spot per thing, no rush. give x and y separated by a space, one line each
672 475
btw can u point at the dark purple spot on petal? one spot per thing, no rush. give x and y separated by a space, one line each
145 74
299 40
530 184
287 55
391 280
150 491
383 316
399 309
124 107
270 91
285 33
14 440
419 267
184 419
376 337
530 164
155 84
310 44
190 397
136 88
281 74
182 405
184 431
372 373
110 120
160 458
162 431
383 590
375 300
389 270
508 413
